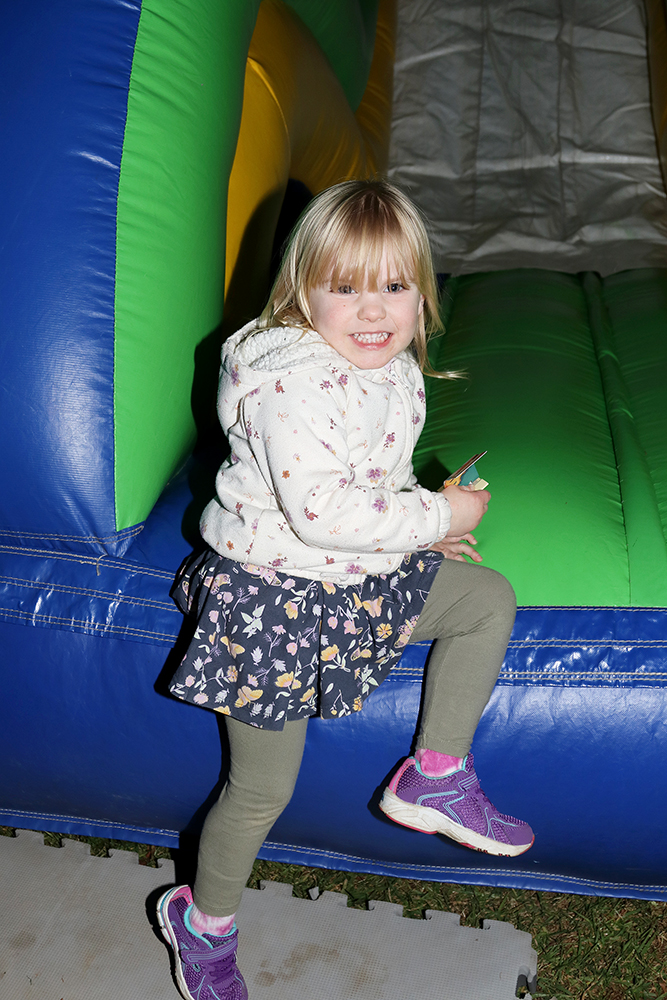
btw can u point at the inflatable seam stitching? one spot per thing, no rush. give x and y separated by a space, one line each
590 607
117 598
86 539
108 561
602 642
596 678
591 679
513 872
76 624
112 824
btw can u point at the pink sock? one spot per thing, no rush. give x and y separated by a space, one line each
203 924
437 765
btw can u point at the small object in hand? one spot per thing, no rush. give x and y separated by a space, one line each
467 475
477 484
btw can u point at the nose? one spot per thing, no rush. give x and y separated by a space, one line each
371 306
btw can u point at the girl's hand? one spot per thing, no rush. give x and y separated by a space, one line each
468 508
456 548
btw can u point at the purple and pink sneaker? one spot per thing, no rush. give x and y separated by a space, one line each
205 965
456 806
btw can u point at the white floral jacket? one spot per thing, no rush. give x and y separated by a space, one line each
319 482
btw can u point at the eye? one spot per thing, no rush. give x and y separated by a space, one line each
395 286
345 290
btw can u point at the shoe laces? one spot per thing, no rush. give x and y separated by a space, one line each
223 971
218 967
492 814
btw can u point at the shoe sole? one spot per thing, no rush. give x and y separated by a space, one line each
425 819
170 938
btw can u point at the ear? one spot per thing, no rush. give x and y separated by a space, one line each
422 299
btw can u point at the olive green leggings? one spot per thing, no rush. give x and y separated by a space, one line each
469 612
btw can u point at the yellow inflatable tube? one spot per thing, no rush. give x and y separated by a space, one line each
296 123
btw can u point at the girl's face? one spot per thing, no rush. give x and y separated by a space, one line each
368 328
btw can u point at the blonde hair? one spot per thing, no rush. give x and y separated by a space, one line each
341 237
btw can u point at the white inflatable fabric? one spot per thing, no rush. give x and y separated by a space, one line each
524 133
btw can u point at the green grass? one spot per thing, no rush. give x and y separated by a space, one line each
589 947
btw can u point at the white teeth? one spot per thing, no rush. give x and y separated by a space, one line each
371 338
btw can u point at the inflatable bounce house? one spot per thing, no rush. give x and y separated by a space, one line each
153 155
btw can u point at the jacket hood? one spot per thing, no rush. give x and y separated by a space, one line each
254 355
276 350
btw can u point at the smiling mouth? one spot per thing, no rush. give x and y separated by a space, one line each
371 338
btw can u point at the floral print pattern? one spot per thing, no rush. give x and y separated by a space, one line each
319 481
269 647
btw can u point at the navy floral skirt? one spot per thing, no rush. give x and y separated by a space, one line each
269 648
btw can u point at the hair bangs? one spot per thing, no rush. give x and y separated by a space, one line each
367 252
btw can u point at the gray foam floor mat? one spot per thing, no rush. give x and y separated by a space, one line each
75 927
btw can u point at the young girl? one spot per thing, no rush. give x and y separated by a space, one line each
326 558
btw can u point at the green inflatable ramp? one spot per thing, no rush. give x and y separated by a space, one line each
565 388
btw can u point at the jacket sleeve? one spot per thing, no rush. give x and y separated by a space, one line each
298 437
